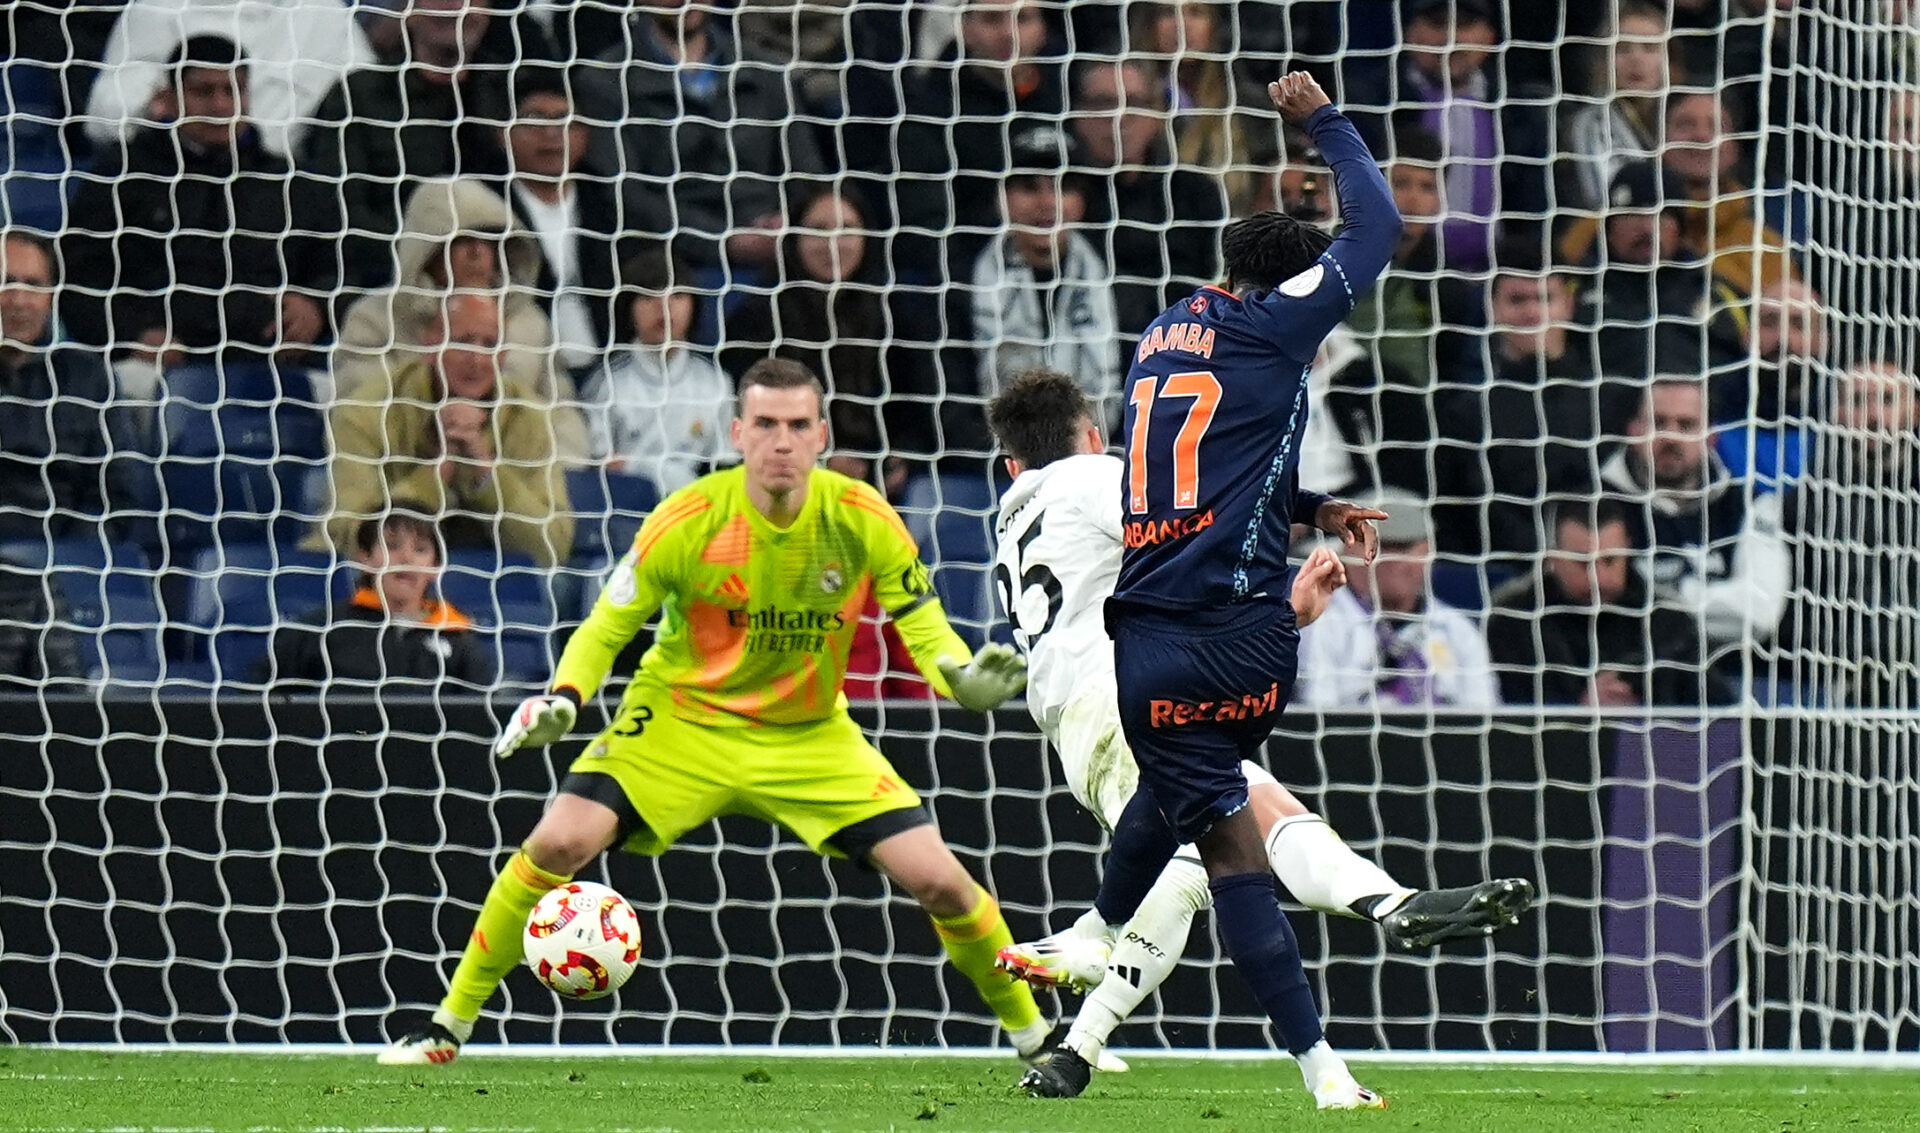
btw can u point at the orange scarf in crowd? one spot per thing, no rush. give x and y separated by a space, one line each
438 614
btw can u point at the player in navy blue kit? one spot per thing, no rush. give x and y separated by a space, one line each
1204 639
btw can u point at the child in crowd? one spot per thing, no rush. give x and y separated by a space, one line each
393 628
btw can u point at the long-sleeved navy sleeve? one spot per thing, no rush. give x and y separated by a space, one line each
1302 310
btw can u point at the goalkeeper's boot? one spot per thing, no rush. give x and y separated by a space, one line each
430 1045
1342 1092
1064 1074
1069 959
1433 915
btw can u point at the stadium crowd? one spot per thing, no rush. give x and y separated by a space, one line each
277 272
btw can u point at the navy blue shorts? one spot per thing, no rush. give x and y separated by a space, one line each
1199 692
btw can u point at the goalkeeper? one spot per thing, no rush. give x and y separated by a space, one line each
761 572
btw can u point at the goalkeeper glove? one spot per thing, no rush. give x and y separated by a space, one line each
995 674
538 721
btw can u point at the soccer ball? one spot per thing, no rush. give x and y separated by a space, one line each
583 940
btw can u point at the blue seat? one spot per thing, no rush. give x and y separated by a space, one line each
587 499
952 518
241 591
1467 586
37 164
113 601
486 586
239 442
631 498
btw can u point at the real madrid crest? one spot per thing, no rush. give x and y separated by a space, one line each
830 580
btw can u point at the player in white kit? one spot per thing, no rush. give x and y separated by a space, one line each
1059 532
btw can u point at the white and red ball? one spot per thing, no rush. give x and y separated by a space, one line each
583 940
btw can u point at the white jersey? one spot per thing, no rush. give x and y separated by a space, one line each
1057 561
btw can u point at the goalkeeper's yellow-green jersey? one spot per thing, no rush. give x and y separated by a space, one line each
757 620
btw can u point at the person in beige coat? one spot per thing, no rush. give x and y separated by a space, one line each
449 428
457 235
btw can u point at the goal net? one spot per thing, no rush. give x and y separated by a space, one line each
1640 386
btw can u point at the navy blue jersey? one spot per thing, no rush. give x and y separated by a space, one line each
1217 403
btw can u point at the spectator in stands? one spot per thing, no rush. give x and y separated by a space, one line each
299 50
1303 186
36 649
703 138
1767 394
1385 641
1708 538
576 218
1848 637
1398 320
1625 123
1648 290
658 407
952 149
1159 223
1587 629
1495 140
1382 401
1190 47
459 236
393 629
1540 426
382 129
193 239
450 429
827 313
1042 296
60 424
1730 222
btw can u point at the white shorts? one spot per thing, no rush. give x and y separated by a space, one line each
1098 764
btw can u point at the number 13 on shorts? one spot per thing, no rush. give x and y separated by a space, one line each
1204 390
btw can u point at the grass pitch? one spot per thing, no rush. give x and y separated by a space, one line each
51 1091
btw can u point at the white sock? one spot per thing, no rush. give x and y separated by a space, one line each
462 1028
1320 1062
1144 956
1323 873
1093 926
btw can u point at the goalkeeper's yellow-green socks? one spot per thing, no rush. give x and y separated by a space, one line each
972 940
495 946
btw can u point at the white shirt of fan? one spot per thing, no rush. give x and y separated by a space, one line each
1340 658
662 414
556 225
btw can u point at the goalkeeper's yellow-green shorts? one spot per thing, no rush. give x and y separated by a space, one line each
823 781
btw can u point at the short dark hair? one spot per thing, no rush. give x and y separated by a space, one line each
215 51
1417 143
32 239
540 78
783 373
1268 248
1038 417
1588 512
402 517
653 269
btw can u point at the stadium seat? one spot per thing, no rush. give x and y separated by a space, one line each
37 160
485 586
111 598
952 518
239 440
242 590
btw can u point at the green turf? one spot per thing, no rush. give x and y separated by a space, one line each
47 1091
